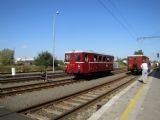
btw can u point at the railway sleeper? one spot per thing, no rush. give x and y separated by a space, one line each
95 93
37 116
62 107
48 113
85 98
99 92
88 96
52 111
91 95
79 100
72 103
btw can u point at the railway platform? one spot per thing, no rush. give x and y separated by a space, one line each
138 101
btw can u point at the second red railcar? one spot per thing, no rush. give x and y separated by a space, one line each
135 61
83 62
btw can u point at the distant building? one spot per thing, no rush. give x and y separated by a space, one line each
125 61
25 61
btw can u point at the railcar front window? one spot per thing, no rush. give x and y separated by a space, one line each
77 58
67 58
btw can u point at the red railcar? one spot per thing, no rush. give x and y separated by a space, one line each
135 61
83 62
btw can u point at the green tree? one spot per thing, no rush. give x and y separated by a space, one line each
6 57
121 62
58 62
139 52
44 59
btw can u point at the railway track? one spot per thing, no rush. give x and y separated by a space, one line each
117 71
23 77
34 87
8 75
31 77
66 106
18 89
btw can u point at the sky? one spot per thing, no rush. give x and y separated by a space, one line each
103 26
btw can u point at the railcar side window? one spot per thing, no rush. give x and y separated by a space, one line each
100 58
67 57
77 57
86 58
108 59
95 58
104 59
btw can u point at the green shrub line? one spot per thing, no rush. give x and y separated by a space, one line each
27 68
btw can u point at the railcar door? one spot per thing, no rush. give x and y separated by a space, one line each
86 63
70 61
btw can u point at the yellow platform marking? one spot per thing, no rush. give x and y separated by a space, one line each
133 102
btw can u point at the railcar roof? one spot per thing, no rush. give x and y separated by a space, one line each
87 52
136 55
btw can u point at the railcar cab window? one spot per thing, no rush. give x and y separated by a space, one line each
67 58
77 57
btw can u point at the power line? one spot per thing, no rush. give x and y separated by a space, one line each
116 18
122 16
148 37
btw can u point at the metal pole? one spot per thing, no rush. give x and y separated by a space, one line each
54 21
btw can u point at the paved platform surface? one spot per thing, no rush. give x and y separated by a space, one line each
139 101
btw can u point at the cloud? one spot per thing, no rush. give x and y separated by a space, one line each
24 46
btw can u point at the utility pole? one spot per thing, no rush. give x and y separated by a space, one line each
140 39
54 21
158 57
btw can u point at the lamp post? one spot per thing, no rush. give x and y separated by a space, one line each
54 21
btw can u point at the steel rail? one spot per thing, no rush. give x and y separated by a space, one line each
30 78
37 107
34 87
